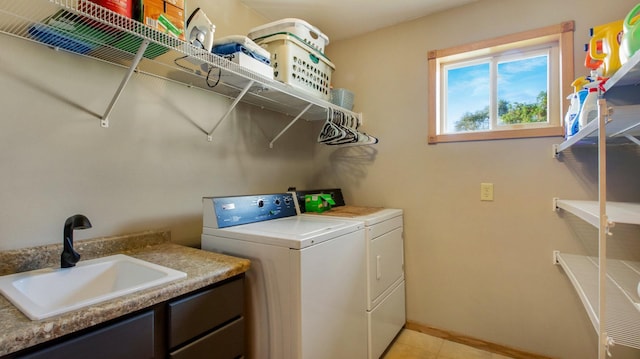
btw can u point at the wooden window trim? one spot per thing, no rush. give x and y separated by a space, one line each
564 30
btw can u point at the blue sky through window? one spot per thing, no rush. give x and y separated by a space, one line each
468 88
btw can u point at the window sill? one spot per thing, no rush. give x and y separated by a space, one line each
497 135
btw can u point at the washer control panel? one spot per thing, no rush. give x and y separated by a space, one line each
237 210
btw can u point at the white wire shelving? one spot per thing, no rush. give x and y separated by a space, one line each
622 305
608 287
589 211
623 91
84 28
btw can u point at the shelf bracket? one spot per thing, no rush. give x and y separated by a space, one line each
104 122
555 204
233 105
556 260
608 343
289 125
610 224
632 139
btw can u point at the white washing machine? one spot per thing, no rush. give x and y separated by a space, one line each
306 288
384 248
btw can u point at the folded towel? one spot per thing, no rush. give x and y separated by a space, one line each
232 48
244 41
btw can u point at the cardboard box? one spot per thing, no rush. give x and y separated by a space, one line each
174 12
252 64
176 3
318 202
155 15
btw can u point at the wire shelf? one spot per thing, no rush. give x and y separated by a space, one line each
623 302
589 211
87 29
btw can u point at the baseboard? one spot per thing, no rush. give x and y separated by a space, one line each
473 342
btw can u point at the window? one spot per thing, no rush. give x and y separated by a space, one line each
510 87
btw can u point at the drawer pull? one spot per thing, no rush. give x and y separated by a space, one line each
378 267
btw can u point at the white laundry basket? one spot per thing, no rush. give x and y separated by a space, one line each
309 34
299 65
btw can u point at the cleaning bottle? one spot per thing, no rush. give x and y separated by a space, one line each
589 110
609 35
577 98
572 124
630 35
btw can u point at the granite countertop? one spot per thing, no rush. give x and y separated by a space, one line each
203 268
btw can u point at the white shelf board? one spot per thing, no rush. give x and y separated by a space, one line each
627 75
623 120
623 302
589 211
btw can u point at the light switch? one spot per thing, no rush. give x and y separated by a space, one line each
486 191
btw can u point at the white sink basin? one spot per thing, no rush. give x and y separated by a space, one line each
44 293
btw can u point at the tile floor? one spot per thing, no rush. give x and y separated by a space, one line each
411 344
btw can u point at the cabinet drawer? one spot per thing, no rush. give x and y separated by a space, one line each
225 343
199 313
131 338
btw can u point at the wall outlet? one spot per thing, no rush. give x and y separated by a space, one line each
486 191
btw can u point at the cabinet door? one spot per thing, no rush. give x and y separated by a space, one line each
130 338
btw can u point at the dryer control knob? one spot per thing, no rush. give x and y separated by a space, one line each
260 203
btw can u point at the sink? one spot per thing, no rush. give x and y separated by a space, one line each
44 293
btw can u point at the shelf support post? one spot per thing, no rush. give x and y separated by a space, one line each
603 228
233 105
104 122
289 125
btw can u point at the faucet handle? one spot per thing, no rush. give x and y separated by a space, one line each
69 256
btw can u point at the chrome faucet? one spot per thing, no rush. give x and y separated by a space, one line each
69 256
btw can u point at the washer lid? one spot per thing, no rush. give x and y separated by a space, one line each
292 232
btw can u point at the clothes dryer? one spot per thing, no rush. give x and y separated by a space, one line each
384 250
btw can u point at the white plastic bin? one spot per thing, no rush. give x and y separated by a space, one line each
306 32
342 98
299 65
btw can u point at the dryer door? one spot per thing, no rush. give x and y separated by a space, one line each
385 265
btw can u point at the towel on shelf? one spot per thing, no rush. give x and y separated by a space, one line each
237 43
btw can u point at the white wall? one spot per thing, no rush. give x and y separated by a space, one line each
151 167
481 269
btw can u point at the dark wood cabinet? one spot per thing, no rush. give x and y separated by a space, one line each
207 323
129 338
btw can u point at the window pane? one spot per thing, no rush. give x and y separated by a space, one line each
522 90
467 98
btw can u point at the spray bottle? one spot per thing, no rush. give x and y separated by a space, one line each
577 98
589 110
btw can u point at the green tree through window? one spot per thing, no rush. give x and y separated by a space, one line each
509 113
